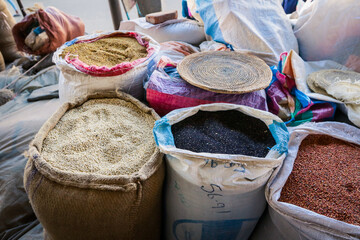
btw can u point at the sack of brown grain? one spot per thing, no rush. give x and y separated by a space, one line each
105 62
7 43
94 171
314 195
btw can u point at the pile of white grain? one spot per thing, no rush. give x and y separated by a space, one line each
102 136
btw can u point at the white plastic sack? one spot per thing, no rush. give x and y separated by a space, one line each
287 221
20 120
213 46
257 27
216 196
176 51
183 30
298 69
329 30
74 83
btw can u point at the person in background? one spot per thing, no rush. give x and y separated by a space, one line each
14 7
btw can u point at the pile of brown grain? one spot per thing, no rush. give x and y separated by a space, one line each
325 178
107 51
103 136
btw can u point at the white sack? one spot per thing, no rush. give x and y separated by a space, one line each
287 221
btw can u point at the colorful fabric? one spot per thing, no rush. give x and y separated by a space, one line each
186 11
167 91
106 71
286 101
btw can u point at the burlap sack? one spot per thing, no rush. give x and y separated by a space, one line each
7 43
59 26
91 206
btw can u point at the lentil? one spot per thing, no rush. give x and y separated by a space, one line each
325 178
107 51
103 136
227 132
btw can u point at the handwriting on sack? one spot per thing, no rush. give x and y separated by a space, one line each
218 203
238 167
180 194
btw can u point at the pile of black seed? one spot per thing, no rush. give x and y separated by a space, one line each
226 132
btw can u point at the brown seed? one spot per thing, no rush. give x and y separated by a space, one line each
325 178
107 51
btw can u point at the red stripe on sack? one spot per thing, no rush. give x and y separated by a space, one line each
164 103
115 70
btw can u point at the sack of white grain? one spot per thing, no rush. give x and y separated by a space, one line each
94 171
217 168
105 62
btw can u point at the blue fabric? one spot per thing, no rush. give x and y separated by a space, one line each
38 30
12 5
172 72
281 136
162 133
301 97
207 13
185 10
274 78
69 43
289 6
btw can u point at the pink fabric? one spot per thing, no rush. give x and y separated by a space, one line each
164 103
115 70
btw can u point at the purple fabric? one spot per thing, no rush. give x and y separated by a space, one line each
162 82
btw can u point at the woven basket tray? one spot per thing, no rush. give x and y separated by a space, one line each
225 72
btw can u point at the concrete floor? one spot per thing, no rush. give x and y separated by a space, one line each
94 13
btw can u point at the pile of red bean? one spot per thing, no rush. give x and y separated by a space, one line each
326 178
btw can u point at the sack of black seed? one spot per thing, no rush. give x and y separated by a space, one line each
219 158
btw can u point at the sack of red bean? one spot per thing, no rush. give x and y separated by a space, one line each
219 157
316 193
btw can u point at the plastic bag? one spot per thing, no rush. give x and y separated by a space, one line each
213 46
329 30
59 26
78 79
289 98
258 27
287 221
167 91
295 68
183 30
19 122
215 196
